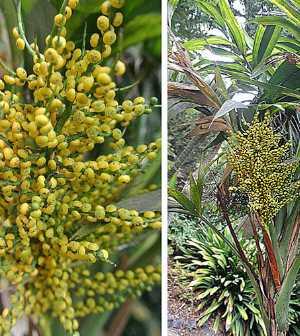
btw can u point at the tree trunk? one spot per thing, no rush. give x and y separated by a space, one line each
273 325
274 329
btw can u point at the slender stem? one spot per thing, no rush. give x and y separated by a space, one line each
54 27
21 29
119 323
10 19
255 280
6 68
231 229
260 257
128 87
271 255
84 39
275 243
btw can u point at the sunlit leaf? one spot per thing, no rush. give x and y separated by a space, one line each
195 193
183 200
265 41
212 11
228 106
287 75
235 29
279 21
148 201
199 44
291 11
291 45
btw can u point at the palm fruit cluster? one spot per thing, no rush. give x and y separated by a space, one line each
57 206
262 167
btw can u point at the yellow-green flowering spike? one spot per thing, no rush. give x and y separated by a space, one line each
263 173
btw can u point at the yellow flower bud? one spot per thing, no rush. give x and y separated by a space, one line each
41 120
111 208
5 312
73 3
94 40
105 7
107 51
50 233
21 73
70 45
60 20
103 23
20 44
94 56
124 179
149 214
8 153
109 37
141 149
120 68
55 105
100 212
15 33
4 124
46 129
42 140
103 78
24 208
52 164
92 247
71 95
118 19
51 56
68 12
152 155
156 225
104 254
117 3
9 79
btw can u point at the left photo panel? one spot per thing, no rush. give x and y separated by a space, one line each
80 168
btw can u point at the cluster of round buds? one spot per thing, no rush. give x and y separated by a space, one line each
262 168
58 208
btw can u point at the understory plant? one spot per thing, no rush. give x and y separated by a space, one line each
221 285
59 205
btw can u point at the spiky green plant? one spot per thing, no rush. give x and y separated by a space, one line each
221 285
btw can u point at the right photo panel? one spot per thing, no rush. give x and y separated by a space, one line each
233 151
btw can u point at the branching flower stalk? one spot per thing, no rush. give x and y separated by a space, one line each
57 207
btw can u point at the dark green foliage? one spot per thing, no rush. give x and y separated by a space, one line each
189 22
221 285
181 229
